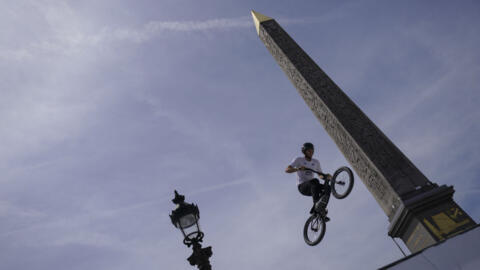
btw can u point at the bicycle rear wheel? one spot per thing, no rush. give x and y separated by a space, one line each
342 182
314 230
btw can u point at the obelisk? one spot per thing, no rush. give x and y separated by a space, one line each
420 212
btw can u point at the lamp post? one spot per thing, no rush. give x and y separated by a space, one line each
185 217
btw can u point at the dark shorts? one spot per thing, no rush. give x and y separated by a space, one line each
314 189
306 187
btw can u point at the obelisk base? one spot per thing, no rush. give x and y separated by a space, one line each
428 218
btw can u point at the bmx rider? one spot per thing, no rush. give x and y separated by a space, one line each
307 184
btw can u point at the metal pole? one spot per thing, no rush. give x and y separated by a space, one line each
200 256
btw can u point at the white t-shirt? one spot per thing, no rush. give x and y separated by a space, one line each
304 176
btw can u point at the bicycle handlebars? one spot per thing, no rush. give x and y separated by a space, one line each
319 173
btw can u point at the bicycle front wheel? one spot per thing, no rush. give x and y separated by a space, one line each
342 182
314 230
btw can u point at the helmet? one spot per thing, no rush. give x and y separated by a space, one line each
306 146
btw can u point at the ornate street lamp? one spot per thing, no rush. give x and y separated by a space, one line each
185 217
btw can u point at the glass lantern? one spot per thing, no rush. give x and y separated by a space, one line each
185 217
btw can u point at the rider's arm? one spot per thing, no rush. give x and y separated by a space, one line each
319 169
291 169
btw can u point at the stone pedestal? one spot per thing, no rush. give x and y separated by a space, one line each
429 217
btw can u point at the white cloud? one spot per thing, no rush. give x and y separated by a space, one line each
68 35
8 210
154 28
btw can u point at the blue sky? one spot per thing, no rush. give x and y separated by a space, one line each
106 108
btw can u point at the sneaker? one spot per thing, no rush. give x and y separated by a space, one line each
327 219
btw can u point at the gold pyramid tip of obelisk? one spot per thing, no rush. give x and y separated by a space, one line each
258 19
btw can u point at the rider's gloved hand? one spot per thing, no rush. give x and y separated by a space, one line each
301 168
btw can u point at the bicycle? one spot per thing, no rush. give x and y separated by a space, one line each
341 185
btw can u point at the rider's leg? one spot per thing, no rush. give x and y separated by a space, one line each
310 188
326 195
321 205
315 189
324 198
305 189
